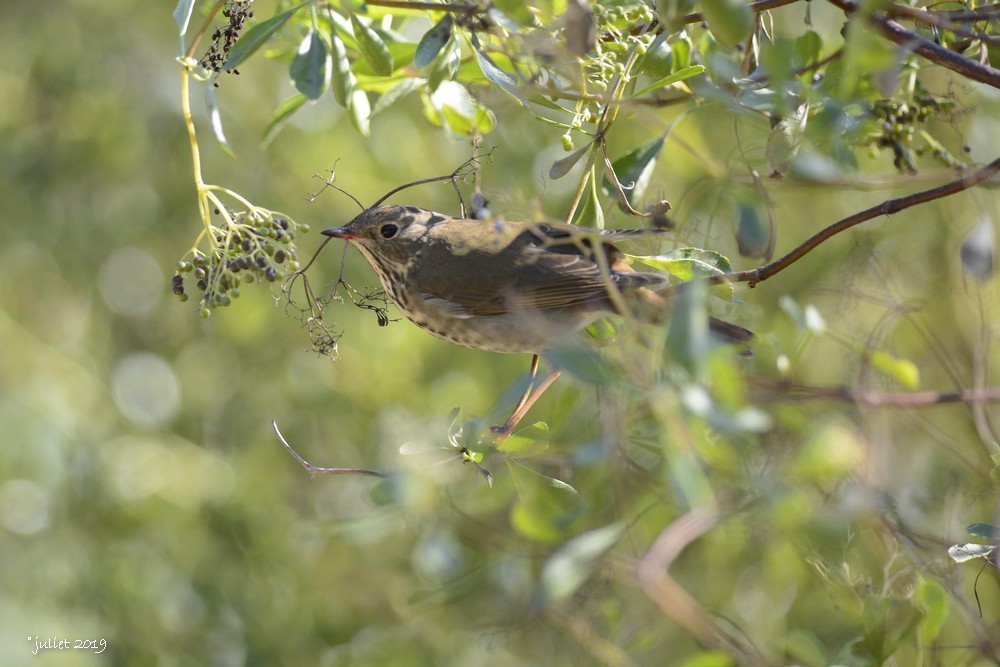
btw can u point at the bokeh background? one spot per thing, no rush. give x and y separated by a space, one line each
145 501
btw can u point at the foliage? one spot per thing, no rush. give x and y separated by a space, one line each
667 501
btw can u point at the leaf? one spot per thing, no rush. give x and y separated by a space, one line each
730 21
682 53
563 166
961 553
526 442
494 74
574 562
784 140
547 508
215 119
978 251
754 234
984 530
372 48
687 337
903 371
310 70
633 170
360 111
582 362
257 36
397 92
341 79
182 14
679 75
659 59
281 114
689 263
932 599
433 41
456 107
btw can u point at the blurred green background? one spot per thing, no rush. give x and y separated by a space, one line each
145 501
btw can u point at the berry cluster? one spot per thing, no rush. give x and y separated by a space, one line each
223 38
898 123
254 247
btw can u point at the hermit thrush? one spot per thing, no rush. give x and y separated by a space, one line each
502 286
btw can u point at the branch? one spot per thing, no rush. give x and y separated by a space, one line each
874 398
888 207
926 48
759 6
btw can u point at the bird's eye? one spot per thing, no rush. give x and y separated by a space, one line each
388 230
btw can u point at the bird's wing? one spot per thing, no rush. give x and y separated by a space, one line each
518 266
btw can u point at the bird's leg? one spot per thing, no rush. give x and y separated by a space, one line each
527 399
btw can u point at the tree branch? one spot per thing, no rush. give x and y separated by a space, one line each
926 48
916 399
888 207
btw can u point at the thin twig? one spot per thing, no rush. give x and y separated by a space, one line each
888 207
317 470
791 391
926 48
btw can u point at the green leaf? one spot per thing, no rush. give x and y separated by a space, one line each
215 119
687 337
341 79
932 599
903 371
730 21
360 111
433 41
405 86
682 53
680 75
494 74
462 114
547 508
633 170
527 442
182 15
689 263
984 530
310 68
659 59
281 114
716 658
754 234
808 49
257 36
563 166
574 562
582 362
372 48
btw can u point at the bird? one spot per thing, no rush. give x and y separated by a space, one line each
504 286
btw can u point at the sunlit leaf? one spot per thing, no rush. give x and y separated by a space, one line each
360 111
182 15
574 562
961 553
456 107
406 86
341 79
433 41
310 69
257 36
680 75
682 53
215 119
372 48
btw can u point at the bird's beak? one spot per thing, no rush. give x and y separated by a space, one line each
340 233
